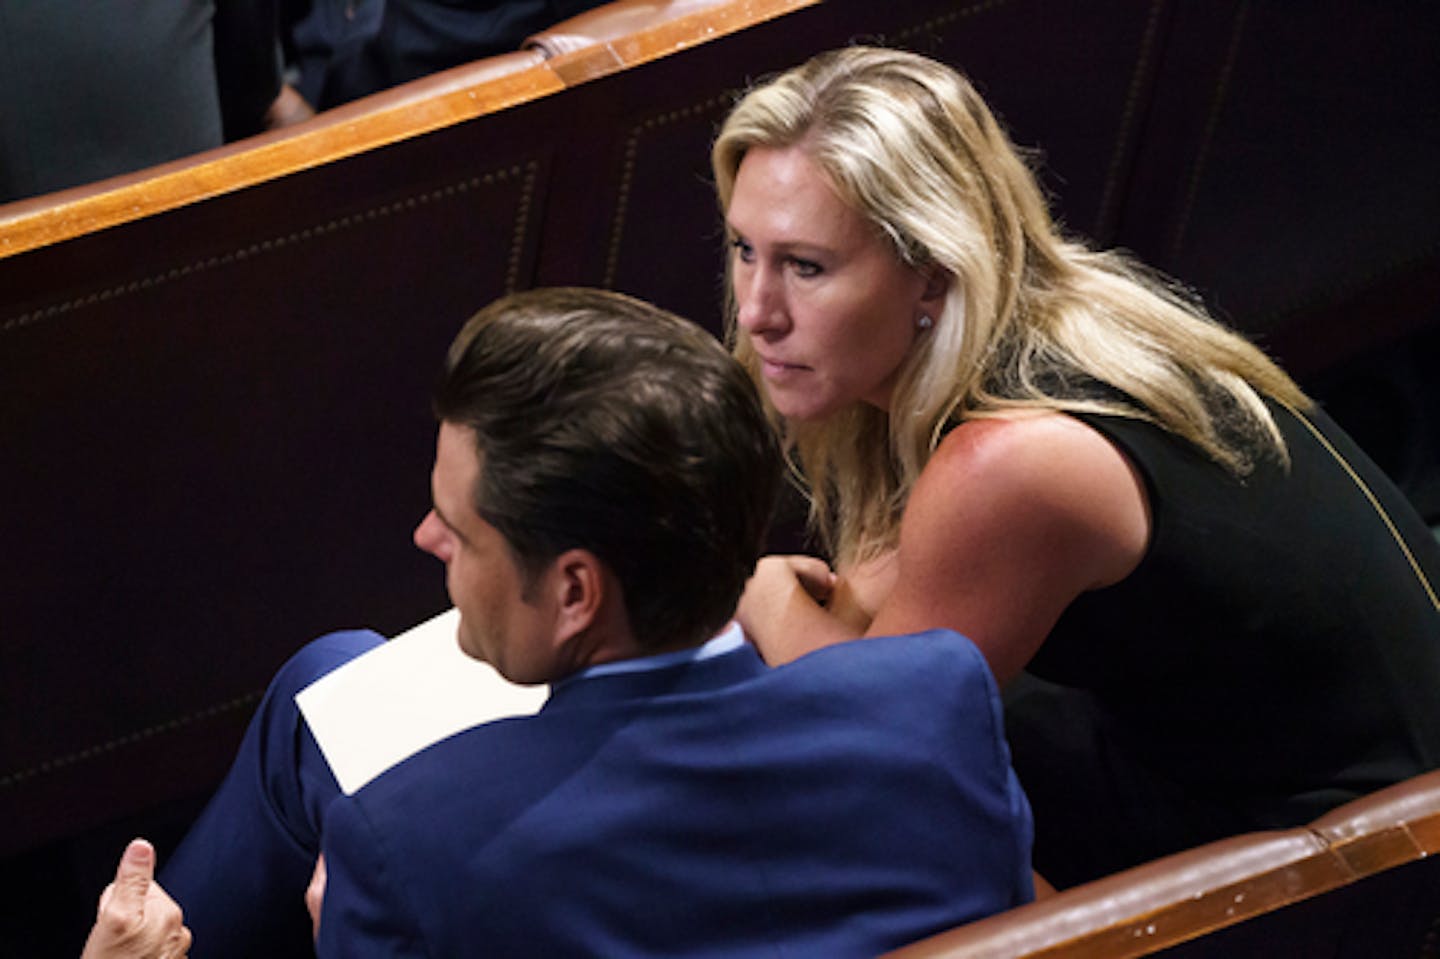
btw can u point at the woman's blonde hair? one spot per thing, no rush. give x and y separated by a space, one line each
1031 319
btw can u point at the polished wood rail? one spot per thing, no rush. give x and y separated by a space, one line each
1359 881
580 54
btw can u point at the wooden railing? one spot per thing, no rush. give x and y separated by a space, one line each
605 40
1357 882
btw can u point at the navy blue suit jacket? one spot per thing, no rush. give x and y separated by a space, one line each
852 801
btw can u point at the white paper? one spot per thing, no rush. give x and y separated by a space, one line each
391 702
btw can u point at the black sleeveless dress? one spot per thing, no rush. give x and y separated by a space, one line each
1275 653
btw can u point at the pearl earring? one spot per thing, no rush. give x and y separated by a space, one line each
924 322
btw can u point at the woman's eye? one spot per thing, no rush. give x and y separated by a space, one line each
805 268
743 250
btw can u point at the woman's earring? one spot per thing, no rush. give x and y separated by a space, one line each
924 322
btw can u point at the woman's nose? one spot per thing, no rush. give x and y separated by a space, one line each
758 307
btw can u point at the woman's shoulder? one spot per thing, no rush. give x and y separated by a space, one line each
1041 476
1012 518
1034 449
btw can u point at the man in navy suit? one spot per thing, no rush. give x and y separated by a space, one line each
603 480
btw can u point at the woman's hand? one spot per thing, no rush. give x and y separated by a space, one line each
783 608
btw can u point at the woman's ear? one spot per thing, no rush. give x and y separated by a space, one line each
937 287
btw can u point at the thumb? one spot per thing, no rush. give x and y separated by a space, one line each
815 577
134 875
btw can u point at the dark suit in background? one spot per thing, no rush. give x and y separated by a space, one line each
94 88
346 49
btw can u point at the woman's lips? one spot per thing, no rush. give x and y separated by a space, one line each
774 368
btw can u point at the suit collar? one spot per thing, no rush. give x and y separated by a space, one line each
676 679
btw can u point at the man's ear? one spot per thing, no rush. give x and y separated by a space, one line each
577 578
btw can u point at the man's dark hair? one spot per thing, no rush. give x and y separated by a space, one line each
608 424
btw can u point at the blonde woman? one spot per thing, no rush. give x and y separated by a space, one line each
1058 454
